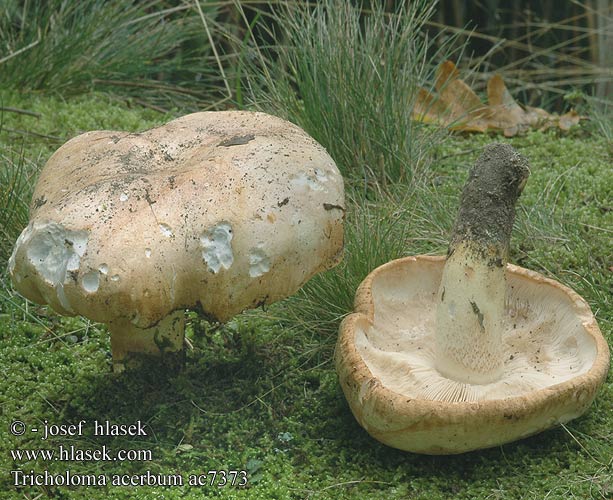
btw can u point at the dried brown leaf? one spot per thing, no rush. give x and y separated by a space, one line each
568 120
457 106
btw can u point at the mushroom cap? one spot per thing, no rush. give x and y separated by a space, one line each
221 211
556 359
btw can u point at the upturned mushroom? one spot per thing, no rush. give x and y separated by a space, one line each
444 356
216 211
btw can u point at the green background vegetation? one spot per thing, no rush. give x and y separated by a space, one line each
260 392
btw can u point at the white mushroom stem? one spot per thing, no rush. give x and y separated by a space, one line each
468 319
164 339
472 292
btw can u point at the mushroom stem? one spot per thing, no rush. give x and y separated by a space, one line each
165 340
472 289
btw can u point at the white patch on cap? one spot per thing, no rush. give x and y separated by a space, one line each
90 281
320 175
73 262
166 230
217 248
259 263
124 197
53 252
308 181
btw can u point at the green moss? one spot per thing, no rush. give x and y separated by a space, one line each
60 119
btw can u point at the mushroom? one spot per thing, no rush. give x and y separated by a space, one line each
216 211
444 356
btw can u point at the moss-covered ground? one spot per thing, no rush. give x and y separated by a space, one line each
260 396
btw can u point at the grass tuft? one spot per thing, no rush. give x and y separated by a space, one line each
350 78
153 51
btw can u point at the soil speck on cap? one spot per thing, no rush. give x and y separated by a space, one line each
237 140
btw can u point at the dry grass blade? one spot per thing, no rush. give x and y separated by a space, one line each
20 51
217 59
545 51
19 111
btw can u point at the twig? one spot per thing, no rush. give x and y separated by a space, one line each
346 483
35 134
161 13
45 338
460 153
146 104
217 59
28 497
50 404
349 483
596 227
257 399
510 43
581 446
20 111
23 49
148 85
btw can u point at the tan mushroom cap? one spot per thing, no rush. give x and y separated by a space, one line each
556 359
219 210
